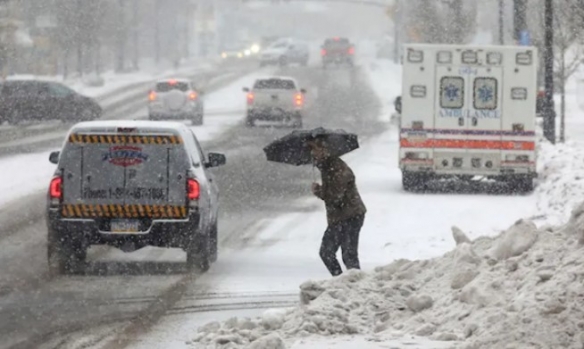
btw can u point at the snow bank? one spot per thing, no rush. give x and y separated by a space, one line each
561 181
522 289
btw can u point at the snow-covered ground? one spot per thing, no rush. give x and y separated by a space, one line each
281 253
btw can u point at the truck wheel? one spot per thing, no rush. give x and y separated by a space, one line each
197 119
413 181
64 256
198 255
249 122
214 242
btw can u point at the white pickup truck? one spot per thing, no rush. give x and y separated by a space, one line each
468 111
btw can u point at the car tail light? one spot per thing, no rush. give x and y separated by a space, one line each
299 99
172 82
250 98
323 52
351 50
152 96
193 96
193 189
56 188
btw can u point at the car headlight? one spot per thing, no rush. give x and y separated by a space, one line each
223 55
247 52
239 54
255 48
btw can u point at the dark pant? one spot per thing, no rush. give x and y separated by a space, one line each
345 235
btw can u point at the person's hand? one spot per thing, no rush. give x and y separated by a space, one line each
315 188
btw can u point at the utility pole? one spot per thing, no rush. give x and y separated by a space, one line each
501 23
549 121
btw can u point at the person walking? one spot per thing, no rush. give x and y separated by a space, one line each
344 208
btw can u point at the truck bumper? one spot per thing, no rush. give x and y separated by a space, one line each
154 232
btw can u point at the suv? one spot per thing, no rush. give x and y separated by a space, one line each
337 50
176 99
22 100
275 99
131 184
284 52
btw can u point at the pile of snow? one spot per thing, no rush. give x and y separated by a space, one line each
561 180
522 289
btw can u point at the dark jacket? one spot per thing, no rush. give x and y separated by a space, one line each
339 191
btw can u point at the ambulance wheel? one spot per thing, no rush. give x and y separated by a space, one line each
521 185
413 181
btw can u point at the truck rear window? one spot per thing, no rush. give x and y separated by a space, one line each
274 84
169 86
334 43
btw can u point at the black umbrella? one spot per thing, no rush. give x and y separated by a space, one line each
293 149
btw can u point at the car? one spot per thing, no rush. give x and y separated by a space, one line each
337 51
233 52
37 100
176 99
284 52
132 184
275 99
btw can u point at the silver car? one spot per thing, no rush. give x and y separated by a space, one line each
176 99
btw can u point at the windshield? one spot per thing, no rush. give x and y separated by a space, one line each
275 84
169 86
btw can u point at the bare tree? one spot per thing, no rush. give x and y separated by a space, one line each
568 40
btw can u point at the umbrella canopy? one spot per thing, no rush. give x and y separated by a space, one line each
293 148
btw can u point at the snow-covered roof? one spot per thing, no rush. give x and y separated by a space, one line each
111 126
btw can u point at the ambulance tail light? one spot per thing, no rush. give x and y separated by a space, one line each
414 155
56 190
418 125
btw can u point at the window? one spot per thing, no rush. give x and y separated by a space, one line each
274 84
59 90
172 85
451 92
485 93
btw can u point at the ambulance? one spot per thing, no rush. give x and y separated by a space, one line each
468 112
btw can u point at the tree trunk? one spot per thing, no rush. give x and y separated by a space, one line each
563 111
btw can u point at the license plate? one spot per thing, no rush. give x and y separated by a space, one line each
124 226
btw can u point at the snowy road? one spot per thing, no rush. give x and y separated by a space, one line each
270 229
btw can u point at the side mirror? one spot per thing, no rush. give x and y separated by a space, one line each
398 104
54 157
303 90
246 89
216 160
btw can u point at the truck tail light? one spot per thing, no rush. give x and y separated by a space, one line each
250 98
193 189
323 52
299 100
152 96
351 50
193 96
56 189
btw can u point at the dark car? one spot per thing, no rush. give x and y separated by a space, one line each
132 184
337 51
22 100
